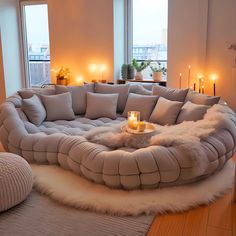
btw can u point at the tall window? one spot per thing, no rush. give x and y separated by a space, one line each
149 23
36 41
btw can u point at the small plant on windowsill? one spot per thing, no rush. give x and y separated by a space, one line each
158 71
63 76
139 67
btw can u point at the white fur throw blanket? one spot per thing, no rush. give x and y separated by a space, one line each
187 134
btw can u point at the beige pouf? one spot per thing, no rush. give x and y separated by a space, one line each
16 180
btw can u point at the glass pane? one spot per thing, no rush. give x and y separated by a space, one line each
37 34
150 21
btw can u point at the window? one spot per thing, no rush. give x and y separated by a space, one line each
149 21
36 43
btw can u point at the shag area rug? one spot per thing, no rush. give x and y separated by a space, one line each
72 190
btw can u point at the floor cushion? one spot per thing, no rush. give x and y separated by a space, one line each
16 180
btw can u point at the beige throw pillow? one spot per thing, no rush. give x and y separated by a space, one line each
34 110
165 112
201 99
79 96
192 112
170 93
101 105
58 107
121 89
142 103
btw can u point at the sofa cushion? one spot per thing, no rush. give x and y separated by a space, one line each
101 105
170 93
201 99
139 89
165 112
58 107
121 89
34 110
192 112
78 94
142 103
28 93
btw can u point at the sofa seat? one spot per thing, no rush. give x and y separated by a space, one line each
79 126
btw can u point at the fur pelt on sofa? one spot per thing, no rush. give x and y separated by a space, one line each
187 134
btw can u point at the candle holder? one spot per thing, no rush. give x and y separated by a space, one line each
133 119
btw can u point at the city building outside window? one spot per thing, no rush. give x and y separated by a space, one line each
149 32
36 43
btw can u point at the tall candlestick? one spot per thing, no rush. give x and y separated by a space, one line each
202 89
189 75
214 88
214 84
199 83
202 83
180 80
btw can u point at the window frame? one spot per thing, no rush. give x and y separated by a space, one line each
129 33
24 36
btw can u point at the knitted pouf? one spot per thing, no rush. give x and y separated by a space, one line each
16 180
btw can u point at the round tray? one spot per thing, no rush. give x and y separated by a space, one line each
150 128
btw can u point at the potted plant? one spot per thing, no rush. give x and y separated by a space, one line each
127 71
139 67
158 71
63 76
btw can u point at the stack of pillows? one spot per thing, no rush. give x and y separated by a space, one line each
164 106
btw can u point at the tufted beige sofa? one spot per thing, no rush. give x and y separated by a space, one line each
62 143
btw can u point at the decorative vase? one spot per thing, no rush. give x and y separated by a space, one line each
127 71
157 76
139 76
61 81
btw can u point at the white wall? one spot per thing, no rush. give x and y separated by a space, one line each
11 47
81 33
2 82
200 32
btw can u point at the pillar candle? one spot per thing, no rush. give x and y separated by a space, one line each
189 75
180 80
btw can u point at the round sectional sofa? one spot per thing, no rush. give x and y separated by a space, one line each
64 142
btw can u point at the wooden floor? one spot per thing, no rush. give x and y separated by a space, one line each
217 219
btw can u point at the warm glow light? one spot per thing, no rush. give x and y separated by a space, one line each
92 67
79 80
189 66
200 76
180 74
214 77
102 68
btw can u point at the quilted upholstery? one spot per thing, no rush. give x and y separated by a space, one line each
154 166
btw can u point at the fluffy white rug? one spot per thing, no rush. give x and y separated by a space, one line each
72 190
186 134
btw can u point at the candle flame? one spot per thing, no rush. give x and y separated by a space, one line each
200 76
189 66
214 77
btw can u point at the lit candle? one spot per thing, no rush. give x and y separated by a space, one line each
133 119
189 75
214 84
199 83
180 80
141 126
203 89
